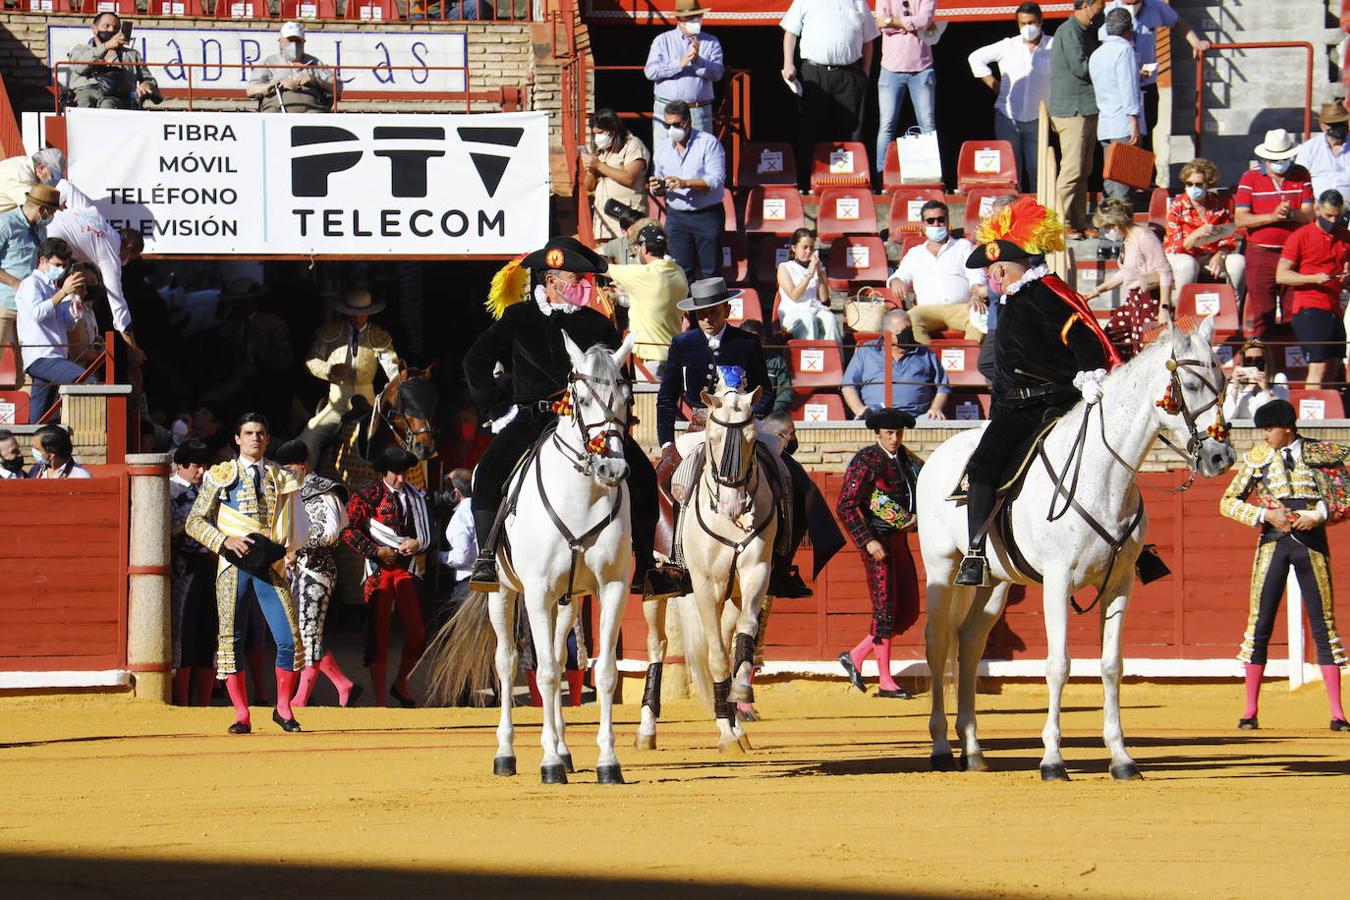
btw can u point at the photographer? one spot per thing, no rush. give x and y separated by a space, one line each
124 86
1254 383
292 81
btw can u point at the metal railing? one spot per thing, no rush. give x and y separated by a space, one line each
1251 45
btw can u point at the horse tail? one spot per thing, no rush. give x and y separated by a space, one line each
460 661
695 648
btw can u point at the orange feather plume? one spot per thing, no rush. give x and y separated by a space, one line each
1025 223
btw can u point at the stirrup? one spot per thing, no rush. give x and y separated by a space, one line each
974 571
484 576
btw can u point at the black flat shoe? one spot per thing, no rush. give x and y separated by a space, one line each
241 728
289 725
1340 725
897 694
786 584
852 672
663 582
352 695
404 700
1248 724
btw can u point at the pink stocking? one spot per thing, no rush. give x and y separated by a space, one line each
286 680
307 678
859 653
328 665
1331 677
238 691
885 682
1254 673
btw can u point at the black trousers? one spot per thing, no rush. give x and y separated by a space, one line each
833 99
1312 568
696 241
1150 92
1009 428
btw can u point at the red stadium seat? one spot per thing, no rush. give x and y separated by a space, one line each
1323 404
819 408
986 164
1200 300
968 405
771 254
121 7
856 260
746 307
50 6
1157 208
373 10
13 408
7 366
977 206
735 266
845 210
766 162
960 360
840 164
309 9
774 209
905 205
179 8
731 222
815 365
243 9
891 177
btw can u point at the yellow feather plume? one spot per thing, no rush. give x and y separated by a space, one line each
508 287
1025 223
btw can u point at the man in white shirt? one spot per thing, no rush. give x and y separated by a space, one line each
835 38
1324 155
46 314
946 293
1022 85
11 456
461 544
55 455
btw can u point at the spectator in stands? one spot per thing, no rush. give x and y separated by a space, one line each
55 455
906 63
1254 382
918 381
1313 266
455 10
803 294
19 174
11 456
291 80
1022 85
775 363
836 48
1148 17
683 64
1143 264
46 314
621 249
1115 82
1324 155
22 231
1073 111
1271 202
945 291
1189 237
126 85
652 290
617 170
690 173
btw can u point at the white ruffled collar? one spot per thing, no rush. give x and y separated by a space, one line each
541 298
1032 274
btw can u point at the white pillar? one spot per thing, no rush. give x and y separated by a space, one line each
148 573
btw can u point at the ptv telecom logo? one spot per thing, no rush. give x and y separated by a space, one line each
409 150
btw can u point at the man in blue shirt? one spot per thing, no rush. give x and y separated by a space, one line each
918 381
22 230
1150 16
689 172
683 64
1114 68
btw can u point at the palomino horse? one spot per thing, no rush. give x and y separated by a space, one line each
727 531
1087 469
567 533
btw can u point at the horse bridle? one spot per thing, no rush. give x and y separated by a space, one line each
410 434
611 424
1174 402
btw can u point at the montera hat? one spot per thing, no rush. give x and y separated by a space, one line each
566 254
393 459
1275 414
291 453
1333 112
688 9
889 418
356 302
1279 144
193 452
706 293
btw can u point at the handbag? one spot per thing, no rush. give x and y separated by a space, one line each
864 311
920 161
263 553
1129 165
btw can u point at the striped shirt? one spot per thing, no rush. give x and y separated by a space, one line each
1258 194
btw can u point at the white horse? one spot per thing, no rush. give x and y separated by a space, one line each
567 534
1065 548
727 530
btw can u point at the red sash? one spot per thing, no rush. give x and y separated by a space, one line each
1085 315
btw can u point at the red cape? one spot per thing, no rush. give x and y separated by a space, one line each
1085 314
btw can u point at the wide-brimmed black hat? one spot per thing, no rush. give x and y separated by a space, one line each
356 302
889 417
1275 414
707 292
393 459
566 254
996 251
291 453
193 452
262 554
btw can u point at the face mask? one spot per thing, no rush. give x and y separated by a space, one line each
1338 132
677 134
1196 192
1327 225
603 139
906 338
1030 33
1279 166
995 285
935 233
293 50
55 273
105 36
39 457
693 27
577 293
13 465
791 446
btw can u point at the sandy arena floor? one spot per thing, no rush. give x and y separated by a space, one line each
105 796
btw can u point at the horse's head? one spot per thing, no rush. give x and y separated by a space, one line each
597 401
408 406
730 441
1190 408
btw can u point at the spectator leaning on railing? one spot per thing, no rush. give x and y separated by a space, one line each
19 174
918 381
1022 85
291 80
22 231
46 314
11 456
1313 267
683 64
123 86
1192 219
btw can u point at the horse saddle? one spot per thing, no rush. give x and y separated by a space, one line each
1019 461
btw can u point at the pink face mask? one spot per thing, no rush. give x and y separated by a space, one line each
577 293
995 286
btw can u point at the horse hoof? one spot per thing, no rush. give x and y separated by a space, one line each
943 762
974 762
503 765
567 763
1057 772
1126 772
645 741
554 774
732 747
609 774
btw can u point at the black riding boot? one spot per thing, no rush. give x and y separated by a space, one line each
974 569
484 575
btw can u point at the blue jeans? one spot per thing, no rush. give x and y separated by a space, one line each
696 241
1022 136
702 119
890 88
47 374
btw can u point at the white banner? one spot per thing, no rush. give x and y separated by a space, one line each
336 183
221 59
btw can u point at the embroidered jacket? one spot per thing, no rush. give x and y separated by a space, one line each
878 489
367 352
375 522
227 505
1264 482
327 517
183 549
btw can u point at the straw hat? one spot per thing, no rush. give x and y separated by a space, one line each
1279 144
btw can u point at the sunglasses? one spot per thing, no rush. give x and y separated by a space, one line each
1195 184
939 220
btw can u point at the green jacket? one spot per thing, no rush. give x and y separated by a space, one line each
1071 91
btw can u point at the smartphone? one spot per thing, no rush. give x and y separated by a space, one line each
126 30
1149 69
